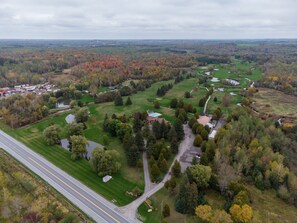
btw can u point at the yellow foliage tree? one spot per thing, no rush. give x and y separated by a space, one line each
241 214
221 216
204 213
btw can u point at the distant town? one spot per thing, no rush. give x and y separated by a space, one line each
38 89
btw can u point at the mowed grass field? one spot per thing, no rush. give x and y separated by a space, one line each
236 70
275 102
81 169
267 207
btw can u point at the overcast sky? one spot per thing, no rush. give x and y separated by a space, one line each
148 19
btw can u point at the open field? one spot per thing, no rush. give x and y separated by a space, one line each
275 102
22 192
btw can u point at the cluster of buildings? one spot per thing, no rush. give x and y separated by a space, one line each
206 120
26 88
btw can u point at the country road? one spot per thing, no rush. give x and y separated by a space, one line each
95 206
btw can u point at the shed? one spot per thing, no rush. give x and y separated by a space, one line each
212 134
106 178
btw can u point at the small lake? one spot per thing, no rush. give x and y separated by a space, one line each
90 147
70 118
63 103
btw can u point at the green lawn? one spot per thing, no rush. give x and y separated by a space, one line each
81 169
236 70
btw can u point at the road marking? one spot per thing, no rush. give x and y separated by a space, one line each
74 190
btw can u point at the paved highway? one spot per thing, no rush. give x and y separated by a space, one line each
87 200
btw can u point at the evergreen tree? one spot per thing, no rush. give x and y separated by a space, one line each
139 141
174 145
164 166
128 141
146 130
198 140
156 104
128 102
155 173
163 130
133 155
166 211
137 124
204 134
171 134
187 94
187 198
118 101
173 103
157 130
178 125
176 169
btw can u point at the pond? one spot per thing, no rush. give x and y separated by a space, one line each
63 103
70 118
90 146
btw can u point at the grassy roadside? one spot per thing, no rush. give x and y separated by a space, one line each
81 169
30 190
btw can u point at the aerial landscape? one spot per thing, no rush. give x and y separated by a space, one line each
137 112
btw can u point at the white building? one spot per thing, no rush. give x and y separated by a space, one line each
106 178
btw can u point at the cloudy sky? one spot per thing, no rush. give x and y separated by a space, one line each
148 19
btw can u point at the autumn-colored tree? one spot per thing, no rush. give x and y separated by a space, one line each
221 216
166 211
241 214
204 213
226 100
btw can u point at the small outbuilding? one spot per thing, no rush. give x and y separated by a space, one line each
212 134
106 178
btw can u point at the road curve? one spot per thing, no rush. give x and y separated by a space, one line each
87 200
